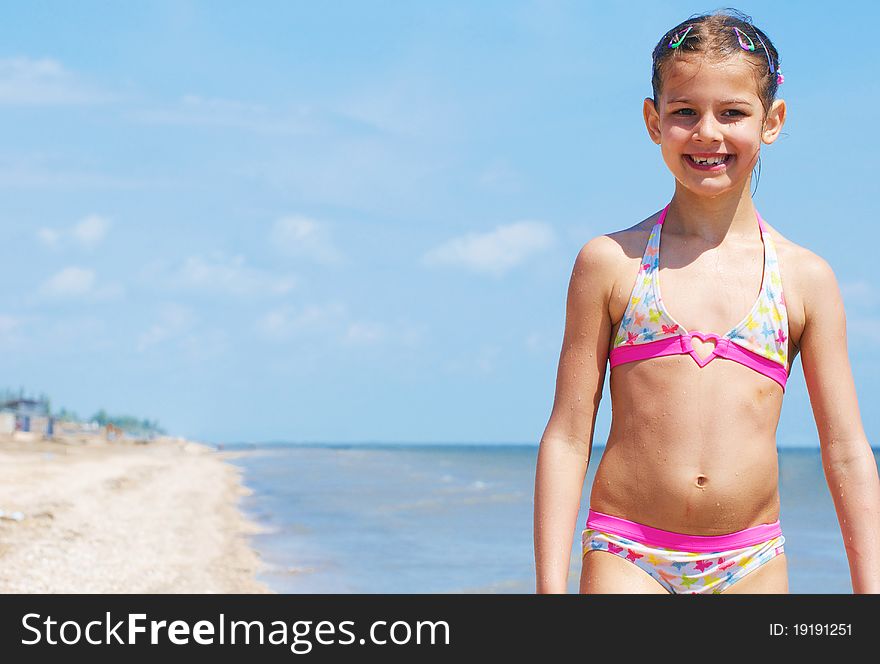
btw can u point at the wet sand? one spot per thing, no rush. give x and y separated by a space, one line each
92 516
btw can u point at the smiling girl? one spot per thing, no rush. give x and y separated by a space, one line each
686 496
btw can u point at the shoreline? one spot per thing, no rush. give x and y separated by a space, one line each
87 515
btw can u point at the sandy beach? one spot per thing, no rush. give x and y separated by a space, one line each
92 516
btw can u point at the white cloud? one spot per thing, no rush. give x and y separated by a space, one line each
229 275
44 82
496 251
301 236
284 322
78 282
88 233
91 231
70 281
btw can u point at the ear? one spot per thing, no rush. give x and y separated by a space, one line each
652 120
773 122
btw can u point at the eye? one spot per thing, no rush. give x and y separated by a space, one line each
734 111
683 111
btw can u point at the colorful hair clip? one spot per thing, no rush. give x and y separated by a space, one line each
751 47
677 41
739 35
769 61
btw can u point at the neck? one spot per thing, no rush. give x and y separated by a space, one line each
711 218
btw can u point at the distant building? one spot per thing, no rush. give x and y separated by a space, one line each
7 422
28 415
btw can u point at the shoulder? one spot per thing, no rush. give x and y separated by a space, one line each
605 268
815 271
806 273
821 292
802 261
596 257
807 267
602 258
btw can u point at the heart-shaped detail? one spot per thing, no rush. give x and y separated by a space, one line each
701 344
703 349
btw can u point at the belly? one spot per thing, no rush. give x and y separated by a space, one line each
699 459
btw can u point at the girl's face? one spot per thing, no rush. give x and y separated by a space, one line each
711 111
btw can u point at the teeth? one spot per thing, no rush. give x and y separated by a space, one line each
713 161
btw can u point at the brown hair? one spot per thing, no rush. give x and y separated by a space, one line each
713 36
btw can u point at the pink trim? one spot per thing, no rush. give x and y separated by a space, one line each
761 223
632 352
663 214
764 365
681 542
677 345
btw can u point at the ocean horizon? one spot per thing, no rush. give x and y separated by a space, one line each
440 443
386 517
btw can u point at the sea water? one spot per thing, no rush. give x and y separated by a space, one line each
373 518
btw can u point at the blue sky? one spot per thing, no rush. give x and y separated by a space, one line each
356 221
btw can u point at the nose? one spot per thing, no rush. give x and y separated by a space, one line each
707 130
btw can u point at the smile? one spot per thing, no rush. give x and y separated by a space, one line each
708 162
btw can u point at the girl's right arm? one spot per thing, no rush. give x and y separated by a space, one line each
565 448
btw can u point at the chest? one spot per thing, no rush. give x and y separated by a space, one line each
710 289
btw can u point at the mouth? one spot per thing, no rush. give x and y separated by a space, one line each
709 162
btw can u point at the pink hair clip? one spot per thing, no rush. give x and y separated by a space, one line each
739 35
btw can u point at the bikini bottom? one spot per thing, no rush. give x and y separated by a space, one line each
685 563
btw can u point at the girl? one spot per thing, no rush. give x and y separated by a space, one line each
686 499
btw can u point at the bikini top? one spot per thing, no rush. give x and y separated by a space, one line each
759 341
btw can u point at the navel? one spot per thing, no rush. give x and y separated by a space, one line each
701 481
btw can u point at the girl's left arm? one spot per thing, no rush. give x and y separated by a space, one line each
847 458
